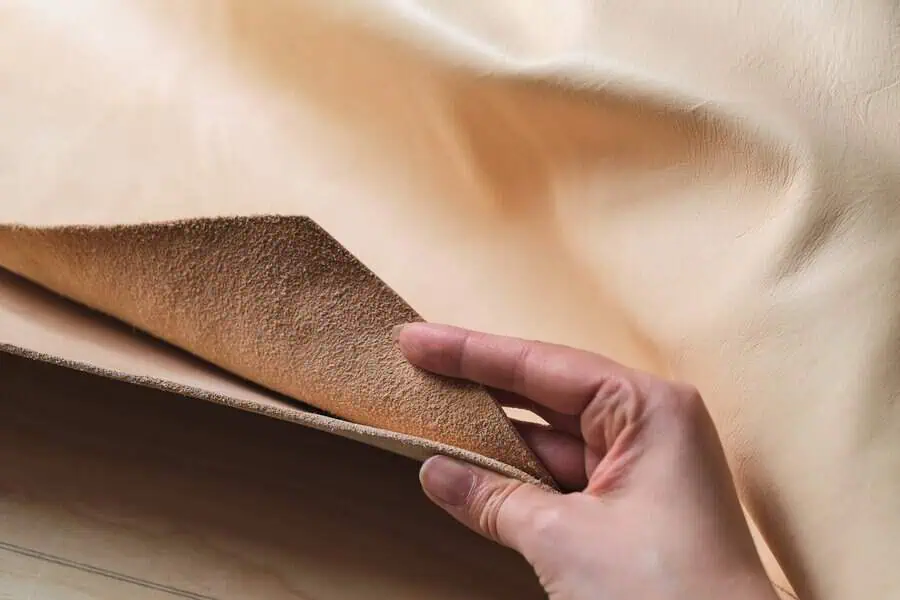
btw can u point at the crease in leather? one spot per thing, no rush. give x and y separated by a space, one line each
278 302
717 179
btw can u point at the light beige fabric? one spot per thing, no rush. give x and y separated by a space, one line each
707 189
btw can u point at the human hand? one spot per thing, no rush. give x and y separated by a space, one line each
653 512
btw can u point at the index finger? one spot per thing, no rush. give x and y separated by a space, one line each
561 378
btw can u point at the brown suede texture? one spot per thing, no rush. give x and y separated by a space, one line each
279 302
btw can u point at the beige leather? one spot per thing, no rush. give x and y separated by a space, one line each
38 325
44 327
708 190
280 303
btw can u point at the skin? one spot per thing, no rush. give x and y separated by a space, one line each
651 510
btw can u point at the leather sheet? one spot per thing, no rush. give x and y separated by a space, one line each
706 190
280 303
45 327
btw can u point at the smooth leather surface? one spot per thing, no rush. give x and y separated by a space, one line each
708 190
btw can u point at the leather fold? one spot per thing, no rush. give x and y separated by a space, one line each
280 303
703 190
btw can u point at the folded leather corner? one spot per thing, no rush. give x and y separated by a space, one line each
279 302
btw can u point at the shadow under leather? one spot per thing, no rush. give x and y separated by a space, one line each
137 487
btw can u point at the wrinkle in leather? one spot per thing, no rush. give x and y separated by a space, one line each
707 190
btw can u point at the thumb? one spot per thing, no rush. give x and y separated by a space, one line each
503 510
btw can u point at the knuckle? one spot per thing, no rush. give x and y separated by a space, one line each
615 414
614 399
515 522
612 387
519 367
461 352
486 505
617 393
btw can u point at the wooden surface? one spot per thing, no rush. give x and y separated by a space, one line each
108 491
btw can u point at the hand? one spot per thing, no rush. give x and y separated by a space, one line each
653 513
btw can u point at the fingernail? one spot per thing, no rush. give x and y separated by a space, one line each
395 332
447 480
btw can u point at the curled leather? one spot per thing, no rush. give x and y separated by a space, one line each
279 302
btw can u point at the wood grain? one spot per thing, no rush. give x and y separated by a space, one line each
111 491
